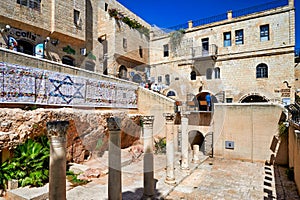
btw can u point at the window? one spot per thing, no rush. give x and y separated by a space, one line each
124 43
262 71
166 50
264 33
141 51
68 60
167 78
217 73
105 7
229 100
208 73
205 46
193 75
34 4
77 20
227 39
239 37
159 79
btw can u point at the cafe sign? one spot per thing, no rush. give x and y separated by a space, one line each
18 33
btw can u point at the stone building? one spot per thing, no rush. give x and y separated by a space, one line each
240 56
91 35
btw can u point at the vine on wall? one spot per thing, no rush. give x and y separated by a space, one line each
131 23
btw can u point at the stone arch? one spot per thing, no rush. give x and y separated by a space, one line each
254 98
200 100
196 138
68 60
123 72
171 93
25 47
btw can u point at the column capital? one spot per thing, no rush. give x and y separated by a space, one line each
169 117
57 128
147 120
114 123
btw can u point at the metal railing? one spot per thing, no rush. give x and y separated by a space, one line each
297 53
210 20
236 13
198 52
259 8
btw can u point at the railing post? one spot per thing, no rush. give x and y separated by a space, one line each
57 131
229 15
147 123
114 163
190 24
170 177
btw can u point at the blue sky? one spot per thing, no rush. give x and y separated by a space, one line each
167 13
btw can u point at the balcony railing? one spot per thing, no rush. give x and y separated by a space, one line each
200 51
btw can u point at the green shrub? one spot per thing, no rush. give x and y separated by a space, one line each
30 164
160 145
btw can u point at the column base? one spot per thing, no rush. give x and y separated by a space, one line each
170 181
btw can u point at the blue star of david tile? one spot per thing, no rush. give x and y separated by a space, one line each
67 81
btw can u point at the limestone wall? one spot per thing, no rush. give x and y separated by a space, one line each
250 127
152 103
294 152
87 134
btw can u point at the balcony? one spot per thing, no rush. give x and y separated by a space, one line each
200 52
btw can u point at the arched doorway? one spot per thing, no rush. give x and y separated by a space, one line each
201 101
196 138
123 72
254 98
25 47
68 60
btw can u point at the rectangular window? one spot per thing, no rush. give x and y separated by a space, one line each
159 79
227 39
166 50
239 37
34 4
141 51
76 17
124 43
205 44
264 33
167 78
105 7
229 100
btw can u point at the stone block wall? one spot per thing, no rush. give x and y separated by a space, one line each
251 128
87 133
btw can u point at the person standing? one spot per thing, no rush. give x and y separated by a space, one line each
208 101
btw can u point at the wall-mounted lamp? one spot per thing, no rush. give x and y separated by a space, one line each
6 29
55 42
47 39
102 38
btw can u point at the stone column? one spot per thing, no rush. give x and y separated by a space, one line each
114 162
170 178
147 122
57 131
196 151
184 143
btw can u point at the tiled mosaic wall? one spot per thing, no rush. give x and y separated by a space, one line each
32 85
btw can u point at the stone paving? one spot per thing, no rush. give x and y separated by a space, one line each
213 178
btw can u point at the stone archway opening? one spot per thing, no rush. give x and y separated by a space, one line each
254 98
25 47
201 102
196 138
123 72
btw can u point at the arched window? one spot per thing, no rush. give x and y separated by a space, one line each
167 78
208 73
193 75
171 93
217 73
262 71
123 72
68 60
